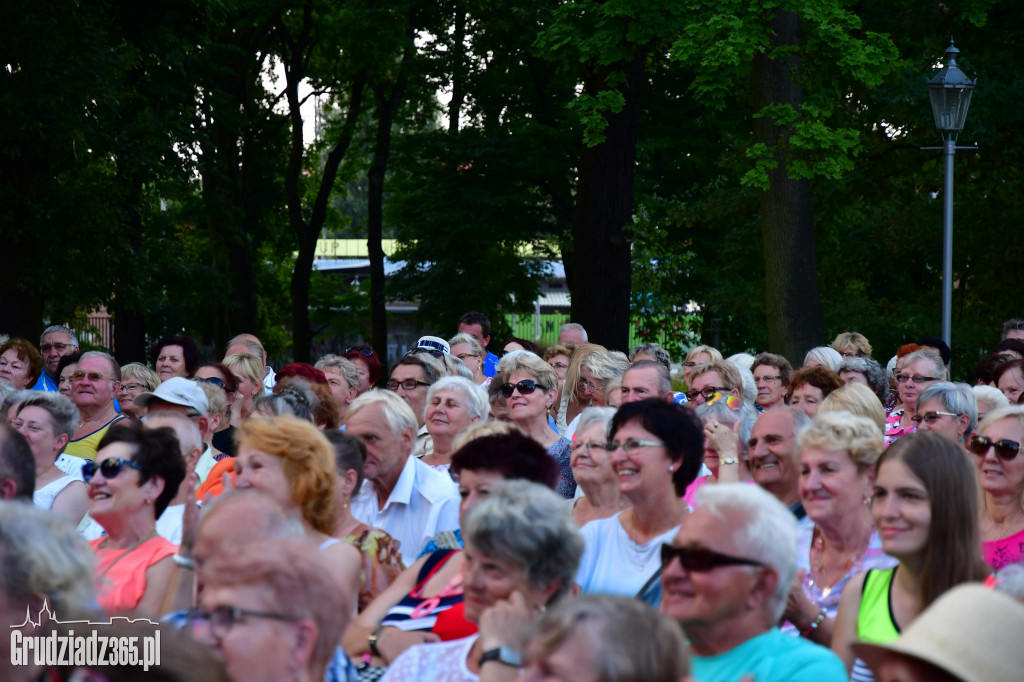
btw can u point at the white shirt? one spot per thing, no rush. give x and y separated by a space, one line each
422 503
168 526
439 662
204 464
612 563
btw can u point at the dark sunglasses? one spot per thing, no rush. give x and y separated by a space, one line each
219 383
109 467
365 351
1005 449
700 560
526 387
433 352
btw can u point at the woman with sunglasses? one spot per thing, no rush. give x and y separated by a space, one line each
948 408
134 477
655 449
367 364
924 508
592 469
728 421
217 374
918 371
1000 467
529 389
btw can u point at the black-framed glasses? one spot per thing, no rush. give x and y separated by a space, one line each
109 467
221 619
706 392
216 381
432 352
1005 449
769 378
631 444
406 384
931 417
463 356
916 378
526 387
365 351
700 559
132 386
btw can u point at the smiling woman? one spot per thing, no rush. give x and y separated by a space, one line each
174 356
20 363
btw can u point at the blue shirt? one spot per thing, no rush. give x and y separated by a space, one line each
490 364
45 383
772 657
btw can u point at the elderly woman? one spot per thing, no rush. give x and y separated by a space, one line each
368 365
323 406
466 348
809 386
655 448
381 560
559 355
948 408
856 399
823 356
343 379
918 371
771 375
453 403
20 363
522 550
868 372
989 399
592 468
174 356
47 420
134 477
248 373
852 345
423 604
837 453
66 370
289 460
728 421
924 505
596 638
136 379
529 389
1000 469
699 355
1009 378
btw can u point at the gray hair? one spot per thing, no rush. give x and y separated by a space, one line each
474 396
825 355
432 368
574 325
664 384
530 363
655 350
931 356
876 377
1009 412
184 428
137 370
766 531
296 398
115 368
454 367
44 558
59 328
342 365
605 365
955 397
529 525
748 387
746 417
63 413
254 348
469 340
742 360
595 415
15 398
991 396
837 431
216 399
397 413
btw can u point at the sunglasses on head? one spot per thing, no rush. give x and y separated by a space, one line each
219 383
109 467
733 402
701 560
433 352
365 351
526 387
1005 449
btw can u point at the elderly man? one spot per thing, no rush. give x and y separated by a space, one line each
55 342
169 525
178 394
725 579
17 465
411 377
572 332
479 327
401 495
248 343
711 378
93 387
646 379
773 456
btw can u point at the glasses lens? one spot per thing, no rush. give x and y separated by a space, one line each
110 467
1007 449
88 470
219 383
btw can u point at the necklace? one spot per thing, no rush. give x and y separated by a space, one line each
102 419
825 581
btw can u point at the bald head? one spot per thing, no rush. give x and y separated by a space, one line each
189 439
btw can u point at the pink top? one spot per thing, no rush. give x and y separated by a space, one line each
691 490
999 553
121 588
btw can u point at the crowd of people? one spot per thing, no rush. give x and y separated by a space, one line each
568 513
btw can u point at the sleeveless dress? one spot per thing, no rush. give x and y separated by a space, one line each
875 622
120 586
44 497
441 614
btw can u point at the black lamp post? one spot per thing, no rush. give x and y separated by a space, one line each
950 92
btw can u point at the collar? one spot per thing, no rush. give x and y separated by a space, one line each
404 486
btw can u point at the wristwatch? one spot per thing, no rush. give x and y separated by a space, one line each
505 654
374 636
729 460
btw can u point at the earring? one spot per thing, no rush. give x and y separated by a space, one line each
672 468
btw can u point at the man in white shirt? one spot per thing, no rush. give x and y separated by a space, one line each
169 525
401 495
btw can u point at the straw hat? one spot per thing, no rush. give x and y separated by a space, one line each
971 632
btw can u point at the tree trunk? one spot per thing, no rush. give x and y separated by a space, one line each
604 211
792 296
128 321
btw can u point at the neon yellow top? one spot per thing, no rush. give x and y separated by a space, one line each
86 446
874 620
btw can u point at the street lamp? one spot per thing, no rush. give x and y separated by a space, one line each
950 92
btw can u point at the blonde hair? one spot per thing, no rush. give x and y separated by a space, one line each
137 370
857 399
216 399
716 355
249 366
482 430
859 437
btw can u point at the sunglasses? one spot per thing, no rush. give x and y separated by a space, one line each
93 376
433 352
1005 449
365 351
930 418
700 560
916 378
109 467
406 384
219 383
526 387
733 402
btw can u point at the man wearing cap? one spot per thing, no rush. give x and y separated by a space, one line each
179 394
411 377
55 342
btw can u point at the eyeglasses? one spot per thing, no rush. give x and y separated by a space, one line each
109 467
630 445
558 365
59 347
1005 449
433 352
407 384
701 560
587 386
222 618
706 392
768 378
526 387
219 383
733 402
92 376
689 363
849 354
589 445
365 351
931 417
131 387
463 356
916 378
